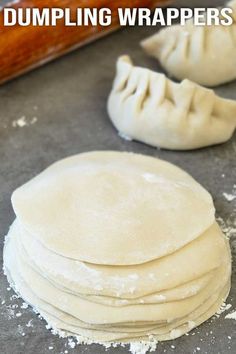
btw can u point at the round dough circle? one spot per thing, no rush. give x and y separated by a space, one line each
130 282
113 208
127 244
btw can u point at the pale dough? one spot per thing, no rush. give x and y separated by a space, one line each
126 282
203 54
67 321
145 105
156 263
62 204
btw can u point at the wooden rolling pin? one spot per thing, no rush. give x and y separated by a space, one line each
25 48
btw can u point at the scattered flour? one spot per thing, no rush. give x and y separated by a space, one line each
229 226
21 330
24 305
14 297
71 343
29 324
10 313
142 347
224 307
231 316
229 197
24 122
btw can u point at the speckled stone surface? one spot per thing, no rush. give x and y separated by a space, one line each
68 98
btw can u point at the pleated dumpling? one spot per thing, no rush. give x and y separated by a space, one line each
147 106
203 54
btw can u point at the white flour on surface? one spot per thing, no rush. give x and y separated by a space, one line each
224 307
228 226
29 324
143 347
24 122
229 197
231 316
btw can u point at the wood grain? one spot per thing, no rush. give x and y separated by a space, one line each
25 48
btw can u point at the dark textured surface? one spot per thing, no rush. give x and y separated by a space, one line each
68 97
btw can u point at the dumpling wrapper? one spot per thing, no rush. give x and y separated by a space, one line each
169 331
203 54
57 270
60 320
94 313
113 208
146 106
193 261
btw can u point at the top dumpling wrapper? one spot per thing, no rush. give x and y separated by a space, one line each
113 208
203 54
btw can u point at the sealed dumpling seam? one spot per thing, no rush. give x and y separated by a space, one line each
203 54
148 107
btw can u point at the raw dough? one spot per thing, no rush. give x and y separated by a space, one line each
130 282
159 295
64 320
203 54
148 107
62 204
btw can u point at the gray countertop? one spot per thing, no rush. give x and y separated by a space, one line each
64 105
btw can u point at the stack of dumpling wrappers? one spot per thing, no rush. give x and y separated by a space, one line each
117 247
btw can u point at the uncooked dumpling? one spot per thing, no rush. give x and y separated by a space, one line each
203 54
146 106
170 273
